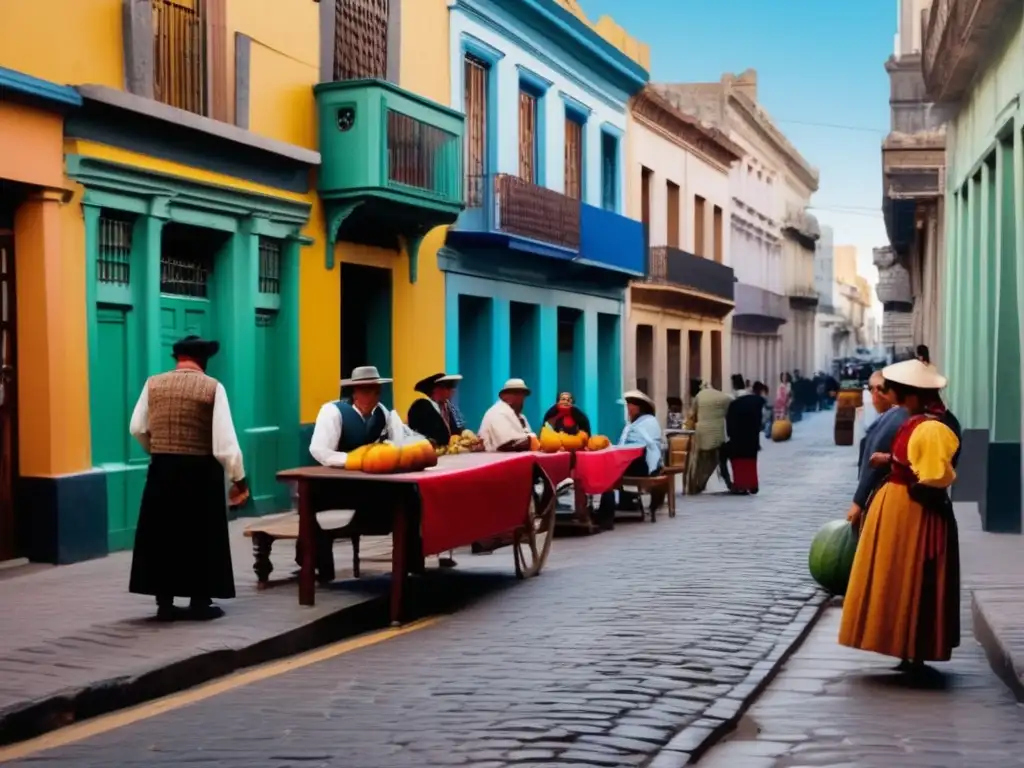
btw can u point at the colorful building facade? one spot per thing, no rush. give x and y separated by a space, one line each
170 183
537 266
973 65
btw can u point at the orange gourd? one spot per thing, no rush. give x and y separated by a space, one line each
409 459
572 442
354 459
549 441
534 443
598 443
382 459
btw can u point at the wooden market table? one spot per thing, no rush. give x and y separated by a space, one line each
593 473
500 498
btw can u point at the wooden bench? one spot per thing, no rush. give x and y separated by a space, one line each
665 482
265 531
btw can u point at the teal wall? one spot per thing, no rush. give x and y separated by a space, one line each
496 330
984 281
132 325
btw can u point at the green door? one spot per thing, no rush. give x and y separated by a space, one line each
182 316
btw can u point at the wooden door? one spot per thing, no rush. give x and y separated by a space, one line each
8 397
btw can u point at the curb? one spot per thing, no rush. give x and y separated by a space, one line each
999 656
721 718
29 719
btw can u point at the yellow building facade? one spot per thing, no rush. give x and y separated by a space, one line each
168 180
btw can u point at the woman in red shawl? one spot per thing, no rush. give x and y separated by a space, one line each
565 417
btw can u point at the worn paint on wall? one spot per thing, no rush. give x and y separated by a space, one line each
38 136
83 46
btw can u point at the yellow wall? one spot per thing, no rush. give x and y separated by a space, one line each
284 67
425 59
65 41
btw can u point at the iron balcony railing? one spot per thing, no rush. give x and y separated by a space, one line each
422 155
520 208
673 266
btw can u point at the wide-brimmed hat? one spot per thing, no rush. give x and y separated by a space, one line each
195 347
638 397
365 376
914 373
426 386
514 385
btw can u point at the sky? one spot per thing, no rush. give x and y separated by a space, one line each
821 76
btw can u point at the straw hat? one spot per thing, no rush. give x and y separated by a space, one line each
426 386
637 396
914 373
365 376
514 385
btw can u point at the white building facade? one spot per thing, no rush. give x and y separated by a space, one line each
770 191
678 186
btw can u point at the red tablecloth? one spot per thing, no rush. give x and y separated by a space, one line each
557 465
600 471
471 497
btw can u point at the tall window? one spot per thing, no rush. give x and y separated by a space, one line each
529 137
672 205
475 74
179 54
699 205
573 158
718 234
361 39
646 175
609 172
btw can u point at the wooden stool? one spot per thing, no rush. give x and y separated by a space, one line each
265 531
664 482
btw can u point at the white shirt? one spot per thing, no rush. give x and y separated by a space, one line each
225 441
501 425
327 434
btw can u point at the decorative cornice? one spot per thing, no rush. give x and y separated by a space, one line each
763 124
685 130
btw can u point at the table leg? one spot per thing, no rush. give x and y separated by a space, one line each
399 567
582 512
307 545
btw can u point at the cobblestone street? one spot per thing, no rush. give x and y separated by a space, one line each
629 640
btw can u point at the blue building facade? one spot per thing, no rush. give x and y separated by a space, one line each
538 264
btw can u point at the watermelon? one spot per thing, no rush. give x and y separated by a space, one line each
831 558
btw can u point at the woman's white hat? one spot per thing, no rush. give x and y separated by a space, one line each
636 394
914 373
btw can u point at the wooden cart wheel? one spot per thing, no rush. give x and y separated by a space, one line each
532 542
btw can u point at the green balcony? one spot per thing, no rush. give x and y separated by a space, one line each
391 165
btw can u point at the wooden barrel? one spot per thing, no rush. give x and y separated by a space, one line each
847 403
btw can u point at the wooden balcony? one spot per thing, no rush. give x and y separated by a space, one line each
684 282
958 34
392 164
506 211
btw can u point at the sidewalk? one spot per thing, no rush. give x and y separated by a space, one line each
994 573
76 643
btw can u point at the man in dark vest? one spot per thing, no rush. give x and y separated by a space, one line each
183 421
342 426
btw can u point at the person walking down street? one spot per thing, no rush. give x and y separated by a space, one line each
504 427
783 397
642 429
743 428
708 418
183 421
903 599
564 416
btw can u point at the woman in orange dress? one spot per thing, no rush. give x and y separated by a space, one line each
904 594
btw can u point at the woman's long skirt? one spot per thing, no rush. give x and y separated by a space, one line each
702 466
181 542
904 594
744 474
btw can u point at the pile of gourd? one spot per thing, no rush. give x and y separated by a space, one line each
465 442
386 458
551 441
